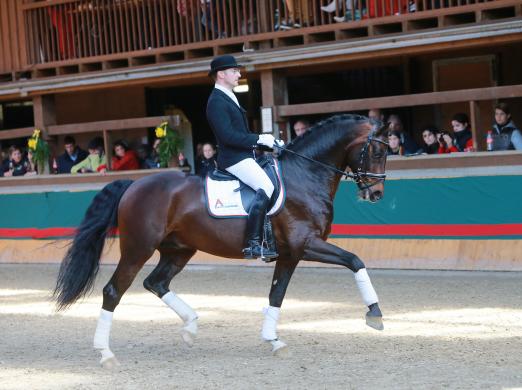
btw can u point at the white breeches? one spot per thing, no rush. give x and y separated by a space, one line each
250 173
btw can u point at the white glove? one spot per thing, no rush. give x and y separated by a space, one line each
266 139
280 142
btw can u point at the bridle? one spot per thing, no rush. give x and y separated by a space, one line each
360 173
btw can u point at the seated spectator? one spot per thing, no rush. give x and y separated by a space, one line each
124 159
73 155
208 162
301 126
431 144
395 147
395 124
16 164
463 139
505 134
183 162
96 161
446 142
152 161
376 114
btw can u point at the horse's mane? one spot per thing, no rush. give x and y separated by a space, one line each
323 133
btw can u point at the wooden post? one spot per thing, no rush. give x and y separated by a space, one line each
475 123
274 93
108 149
45 115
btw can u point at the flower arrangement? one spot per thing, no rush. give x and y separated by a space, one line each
170 145
39 149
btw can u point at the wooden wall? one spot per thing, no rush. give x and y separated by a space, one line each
12 50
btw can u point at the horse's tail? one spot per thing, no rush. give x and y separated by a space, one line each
81 262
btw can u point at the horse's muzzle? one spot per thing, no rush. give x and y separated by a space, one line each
371 196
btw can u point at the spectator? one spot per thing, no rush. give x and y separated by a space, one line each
463 139
505 134
376 114
96 161
208 162
143 153
431 144
296 9
301 127
408 144
124 159
446 143
16 164
395 144
152 161
73 155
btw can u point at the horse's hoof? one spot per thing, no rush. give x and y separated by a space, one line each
187 337
279 348
374 322
110 363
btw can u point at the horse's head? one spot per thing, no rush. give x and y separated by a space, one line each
367 160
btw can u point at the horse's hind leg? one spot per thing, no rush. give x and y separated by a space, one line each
131 262
172 261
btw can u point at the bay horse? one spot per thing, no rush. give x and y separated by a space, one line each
167 212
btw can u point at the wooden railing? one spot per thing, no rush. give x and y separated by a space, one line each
64 30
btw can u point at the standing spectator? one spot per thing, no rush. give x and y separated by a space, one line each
124 159
208 162
376 114
72 156
505 134
96 161
395 146
463 139
301 126
16 164
408 144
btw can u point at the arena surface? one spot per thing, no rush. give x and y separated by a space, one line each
443 330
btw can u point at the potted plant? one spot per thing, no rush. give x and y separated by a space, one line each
170 146
40 151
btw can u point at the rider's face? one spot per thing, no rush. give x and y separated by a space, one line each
230 77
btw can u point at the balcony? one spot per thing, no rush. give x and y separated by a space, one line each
67 37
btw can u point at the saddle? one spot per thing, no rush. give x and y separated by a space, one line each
227 197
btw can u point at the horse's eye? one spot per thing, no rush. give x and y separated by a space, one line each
377 156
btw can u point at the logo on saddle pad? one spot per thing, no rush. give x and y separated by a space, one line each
230 198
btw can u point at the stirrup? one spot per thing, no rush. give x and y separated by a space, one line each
258 252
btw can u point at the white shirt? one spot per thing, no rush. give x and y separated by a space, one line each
229 93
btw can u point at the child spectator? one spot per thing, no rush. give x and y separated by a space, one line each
462 140
395 144
124 159
73 155
96 161
16 164
208 162
505 134
395 124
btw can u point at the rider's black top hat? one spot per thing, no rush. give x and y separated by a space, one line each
221 63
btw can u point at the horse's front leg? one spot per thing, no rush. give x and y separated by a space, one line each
318 250
282 274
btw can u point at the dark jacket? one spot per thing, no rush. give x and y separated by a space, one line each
506 137
65 162
229 124
205 165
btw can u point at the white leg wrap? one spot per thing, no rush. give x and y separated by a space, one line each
103 331
184 311
368 294
270 324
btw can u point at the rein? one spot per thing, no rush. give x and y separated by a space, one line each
358 175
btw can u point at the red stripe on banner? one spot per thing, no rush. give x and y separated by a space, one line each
453 230
41 233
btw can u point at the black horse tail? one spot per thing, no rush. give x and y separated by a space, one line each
81 262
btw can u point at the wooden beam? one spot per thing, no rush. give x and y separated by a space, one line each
475 123
118 124
418 99
16 133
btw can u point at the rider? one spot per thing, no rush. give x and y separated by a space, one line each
230 126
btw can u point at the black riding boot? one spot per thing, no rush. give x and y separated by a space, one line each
254 229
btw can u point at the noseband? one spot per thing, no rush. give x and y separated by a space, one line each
359 175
